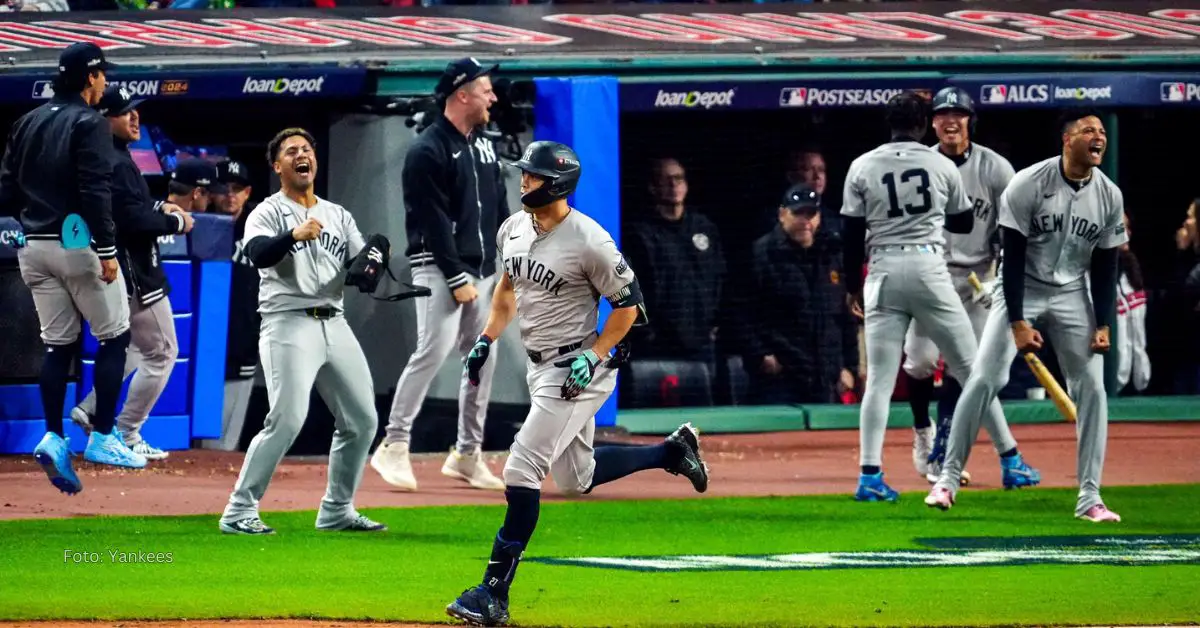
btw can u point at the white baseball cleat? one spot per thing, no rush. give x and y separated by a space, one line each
1100 514
149 451
473 469
82 419
939 498
392 463
922 448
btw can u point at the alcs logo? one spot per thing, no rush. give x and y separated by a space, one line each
1004 94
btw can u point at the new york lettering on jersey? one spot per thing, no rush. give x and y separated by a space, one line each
1064 225
904 190
985 174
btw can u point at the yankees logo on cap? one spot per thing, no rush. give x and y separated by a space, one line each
459 73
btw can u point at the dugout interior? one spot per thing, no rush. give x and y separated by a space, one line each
736 162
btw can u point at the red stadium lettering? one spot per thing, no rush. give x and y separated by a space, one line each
428 32
638 28
150 35
867 29
1051 27
1186 15
508 35
348 29
742 25
936 20
1140 24
54 38
253 32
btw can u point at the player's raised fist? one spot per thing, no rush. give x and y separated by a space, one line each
308 230
1026 337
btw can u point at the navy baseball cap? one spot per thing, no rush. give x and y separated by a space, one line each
459 73
199 173
116 101
81 58
230 171
801 197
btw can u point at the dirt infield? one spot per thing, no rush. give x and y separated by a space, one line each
792 463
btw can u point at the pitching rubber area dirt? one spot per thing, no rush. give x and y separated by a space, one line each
790 463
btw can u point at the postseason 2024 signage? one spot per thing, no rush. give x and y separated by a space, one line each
623 31
998 91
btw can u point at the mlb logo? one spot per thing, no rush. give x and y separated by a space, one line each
994 94
43 90
793 97
1173 92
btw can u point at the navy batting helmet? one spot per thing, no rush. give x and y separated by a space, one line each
906 112
557 165
955 99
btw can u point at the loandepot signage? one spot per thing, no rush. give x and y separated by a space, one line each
878 560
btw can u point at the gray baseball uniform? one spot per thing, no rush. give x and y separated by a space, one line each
904 190
1063 227
985 174
558 278
305 341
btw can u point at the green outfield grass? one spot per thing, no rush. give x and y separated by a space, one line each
431 554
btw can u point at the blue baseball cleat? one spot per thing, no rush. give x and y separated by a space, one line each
111 449
872 489
1016 474
54 455
479 607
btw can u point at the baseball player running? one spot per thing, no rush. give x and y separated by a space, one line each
905 193
56 175
302 246
1059 218
985 174
455 199
557 264
140 220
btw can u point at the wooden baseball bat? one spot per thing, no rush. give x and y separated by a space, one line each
1056 392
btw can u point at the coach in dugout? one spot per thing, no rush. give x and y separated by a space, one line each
801 339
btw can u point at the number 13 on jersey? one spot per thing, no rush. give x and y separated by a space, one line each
916 179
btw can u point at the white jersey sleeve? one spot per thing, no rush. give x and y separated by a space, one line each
854 202
1018 202
1114 233
262 223
905 190
607 270
956 195
354 238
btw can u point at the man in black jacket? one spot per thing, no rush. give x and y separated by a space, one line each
140 221
56 175
802 345
455 200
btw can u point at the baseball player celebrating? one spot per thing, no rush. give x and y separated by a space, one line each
302 246
1059 218
140 220
557 263
56 175
985 174
455 200
905 193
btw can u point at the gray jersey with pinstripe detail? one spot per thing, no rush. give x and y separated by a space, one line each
560 276
904 190
985 174
1063 225
313 273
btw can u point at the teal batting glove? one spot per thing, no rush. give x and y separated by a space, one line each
477 357
583 367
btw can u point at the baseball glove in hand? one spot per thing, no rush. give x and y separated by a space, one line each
367 268
583 367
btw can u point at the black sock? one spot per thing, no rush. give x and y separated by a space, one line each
920 394
618 461
520 520
52 383
870 470
1010 453
110 374
948 400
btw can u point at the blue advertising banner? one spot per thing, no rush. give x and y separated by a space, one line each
310 82
989 91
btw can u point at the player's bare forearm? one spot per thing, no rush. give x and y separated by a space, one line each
504 308
615 328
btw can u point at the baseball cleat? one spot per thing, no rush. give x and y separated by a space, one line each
871 488
935 474
922 448
250 526
111 449
479 607
392 463
53 453
81 418
1100 514
939 498
686 441
472 469
360 523
1014 473
150 452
